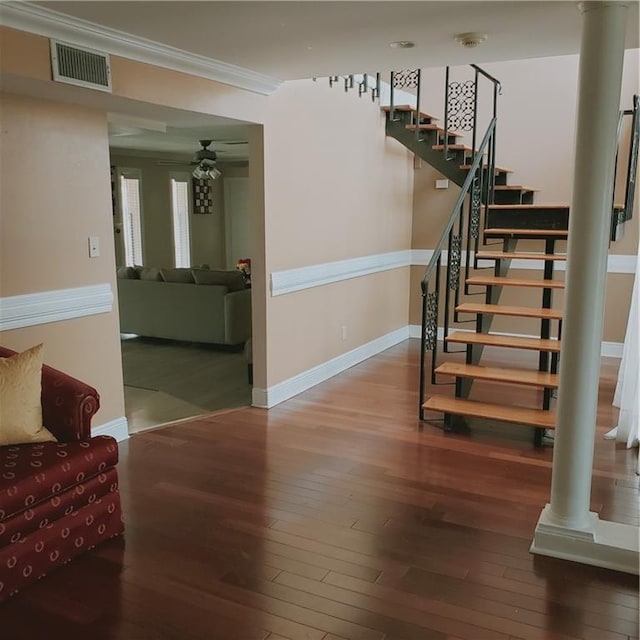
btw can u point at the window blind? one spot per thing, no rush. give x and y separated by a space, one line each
180 208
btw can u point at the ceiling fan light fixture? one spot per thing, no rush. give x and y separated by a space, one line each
206 171
471 39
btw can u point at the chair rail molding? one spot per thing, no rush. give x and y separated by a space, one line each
317 275
616 263
24 16
53 306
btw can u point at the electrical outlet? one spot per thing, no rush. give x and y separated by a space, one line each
442 184
94 246
343 332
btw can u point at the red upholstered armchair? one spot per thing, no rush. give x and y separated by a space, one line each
57 499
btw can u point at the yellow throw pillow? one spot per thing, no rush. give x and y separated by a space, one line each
20 404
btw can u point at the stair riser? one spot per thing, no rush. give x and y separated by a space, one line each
449 169
518 219
513 197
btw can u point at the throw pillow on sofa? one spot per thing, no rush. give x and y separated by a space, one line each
127 273
177 275
149 273
232 279
20 398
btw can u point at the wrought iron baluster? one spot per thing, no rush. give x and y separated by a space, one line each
375 92
446 115
348 83
475 114
435 300
475 203
392 113
417 121
407 79
363 86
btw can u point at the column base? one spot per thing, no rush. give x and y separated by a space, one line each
602 544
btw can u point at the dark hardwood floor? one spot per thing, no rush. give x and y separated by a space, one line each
336 515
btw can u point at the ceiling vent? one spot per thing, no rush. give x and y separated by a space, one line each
80 66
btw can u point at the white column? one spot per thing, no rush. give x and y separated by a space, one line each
566 527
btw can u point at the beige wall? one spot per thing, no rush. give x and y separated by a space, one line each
335 188
55 193
207 231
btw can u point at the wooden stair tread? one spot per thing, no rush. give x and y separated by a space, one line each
498 374
500 340
502 255
408 107
506 310
513 187
558 233
499 412
515 282
466 167
452 147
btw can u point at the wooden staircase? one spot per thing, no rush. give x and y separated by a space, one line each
543 378
490 211
501 217
513 216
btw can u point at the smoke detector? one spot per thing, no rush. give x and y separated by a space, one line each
471 39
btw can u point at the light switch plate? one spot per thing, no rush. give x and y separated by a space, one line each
94 246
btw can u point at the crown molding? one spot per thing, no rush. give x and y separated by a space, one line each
24 16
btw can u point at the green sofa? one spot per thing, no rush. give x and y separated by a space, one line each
193 305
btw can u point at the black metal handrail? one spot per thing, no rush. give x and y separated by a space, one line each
632 165
472 187
620 216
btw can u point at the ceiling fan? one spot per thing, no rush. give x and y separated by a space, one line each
205 159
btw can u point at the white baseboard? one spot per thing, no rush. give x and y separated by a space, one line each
267 398
602 544
118 429
608 349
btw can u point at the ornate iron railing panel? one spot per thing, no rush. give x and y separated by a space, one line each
461 103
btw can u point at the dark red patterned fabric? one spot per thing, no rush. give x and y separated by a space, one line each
57 499
41 551
32 473
40 516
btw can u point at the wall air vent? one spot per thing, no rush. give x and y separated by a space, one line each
80 66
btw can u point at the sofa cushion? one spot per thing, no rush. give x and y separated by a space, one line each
127 273
41 515
177 275
232 279
32 473
149 273
41 551
20 403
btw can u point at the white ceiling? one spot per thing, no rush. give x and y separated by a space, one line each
290 40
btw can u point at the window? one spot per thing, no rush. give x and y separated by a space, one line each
131 216
180 214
